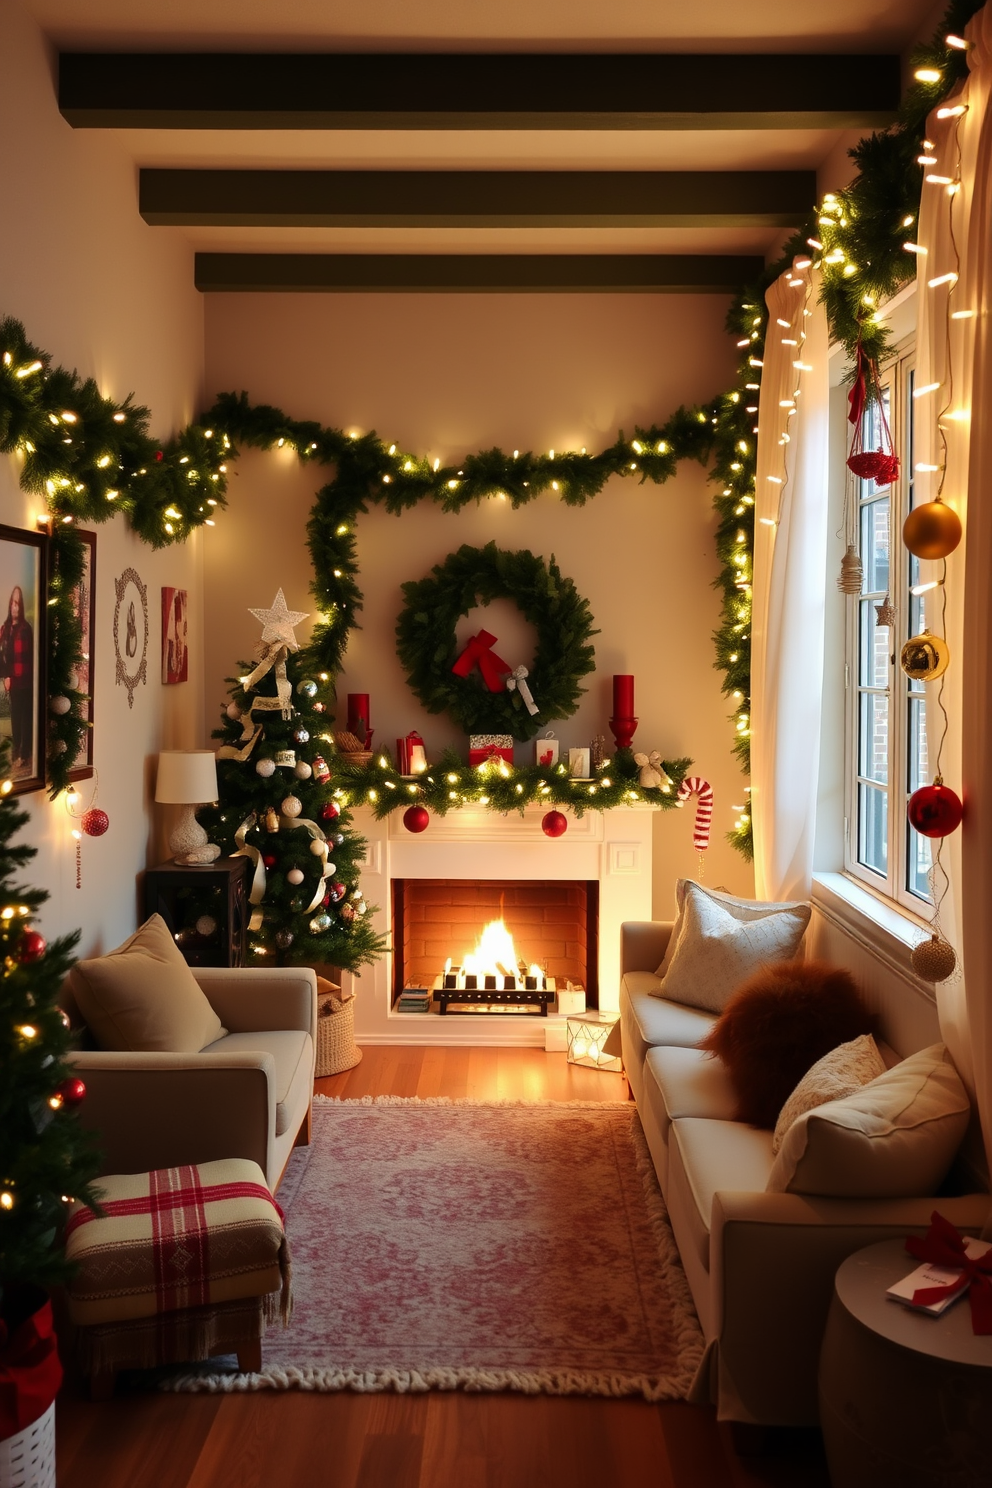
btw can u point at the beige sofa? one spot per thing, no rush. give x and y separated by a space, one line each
247 1094
760 1265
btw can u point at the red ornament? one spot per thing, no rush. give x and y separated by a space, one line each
31 946
875 465
337 892
94 822
331 811
554 824
159 457
71 1091
416 818
269 859
934 810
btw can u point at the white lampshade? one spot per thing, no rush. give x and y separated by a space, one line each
186 777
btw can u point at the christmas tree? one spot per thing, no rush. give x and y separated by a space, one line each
46 1158
277 806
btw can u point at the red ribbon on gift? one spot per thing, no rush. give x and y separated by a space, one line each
479 651
30 1372
942 1245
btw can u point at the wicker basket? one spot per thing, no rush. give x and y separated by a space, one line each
336 1047
356 756
27 1459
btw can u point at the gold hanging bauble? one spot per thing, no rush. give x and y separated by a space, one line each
933 959
851 572
924 657
932 530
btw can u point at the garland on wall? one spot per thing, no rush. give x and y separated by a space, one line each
90 456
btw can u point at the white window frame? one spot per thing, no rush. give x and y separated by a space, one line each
893 884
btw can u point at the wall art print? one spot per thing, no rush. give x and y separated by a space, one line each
131 632
23 584
175 657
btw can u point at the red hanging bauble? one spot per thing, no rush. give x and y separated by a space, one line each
330 811
31 946
554 824
94 822
416 818
269 859
71 1091
934 810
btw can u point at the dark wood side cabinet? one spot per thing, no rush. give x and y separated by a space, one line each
205 905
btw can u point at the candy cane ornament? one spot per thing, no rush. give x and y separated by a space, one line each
695 785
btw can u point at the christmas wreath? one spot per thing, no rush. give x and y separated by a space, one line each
492 698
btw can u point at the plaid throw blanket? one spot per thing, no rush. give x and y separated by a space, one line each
174 1239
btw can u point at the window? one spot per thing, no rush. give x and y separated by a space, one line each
886 710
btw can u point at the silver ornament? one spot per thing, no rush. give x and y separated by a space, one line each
301 735
291 806
233 712
59 705
295 876
320 923
206 925
265 768
307 688
284 939
303 770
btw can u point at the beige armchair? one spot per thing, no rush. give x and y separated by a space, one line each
245 1095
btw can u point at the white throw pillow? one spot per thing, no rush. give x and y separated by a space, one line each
719 941
894 1138
838 1074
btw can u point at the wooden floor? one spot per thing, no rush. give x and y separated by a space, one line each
143 1439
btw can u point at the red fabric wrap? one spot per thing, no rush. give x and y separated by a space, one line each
30 1372
942 1245
479 651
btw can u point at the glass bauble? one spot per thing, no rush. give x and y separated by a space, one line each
932 530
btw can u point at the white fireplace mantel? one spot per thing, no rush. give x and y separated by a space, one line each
611 847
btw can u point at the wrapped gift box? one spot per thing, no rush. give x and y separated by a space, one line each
571 1000
482 747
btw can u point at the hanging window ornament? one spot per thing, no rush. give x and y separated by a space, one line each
885 614
880 465
932 531
935 810
851 572
93 822
933 959
925 657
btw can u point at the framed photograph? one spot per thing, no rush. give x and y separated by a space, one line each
175 663
84 608
23 578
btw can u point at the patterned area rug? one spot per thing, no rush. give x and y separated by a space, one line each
477 1245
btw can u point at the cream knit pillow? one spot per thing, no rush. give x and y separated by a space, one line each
838 1074
719 941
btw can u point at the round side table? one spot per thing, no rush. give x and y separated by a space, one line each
905 1398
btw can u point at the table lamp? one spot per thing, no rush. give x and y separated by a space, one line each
188 777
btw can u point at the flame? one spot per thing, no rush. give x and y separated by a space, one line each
494 953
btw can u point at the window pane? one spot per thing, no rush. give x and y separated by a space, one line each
918 860
919 767
874 652
873 827
874 740
875 545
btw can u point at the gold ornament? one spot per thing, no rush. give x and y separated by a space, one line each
933 959
925 657
885 614
851 572
932 530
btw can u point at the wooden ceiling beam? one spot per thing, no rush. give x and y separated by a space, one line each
401 273
520 199
188 90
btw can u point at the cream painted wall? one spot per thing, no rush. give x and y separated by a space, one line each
98 290
446 375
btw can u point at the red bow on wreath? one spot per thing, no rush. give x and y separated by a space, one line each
480 650
881 465
943 1246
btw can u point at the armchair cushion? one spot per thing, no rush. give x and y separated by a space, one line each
292 1055
143 996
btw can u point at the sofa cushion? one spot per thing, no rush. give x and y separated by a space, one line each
292 1054
715 1156
691 1083
839 1073
722 940
894 1138
143 996
777 1025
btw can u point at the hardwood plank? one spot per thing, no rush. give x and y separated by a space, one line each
139 1440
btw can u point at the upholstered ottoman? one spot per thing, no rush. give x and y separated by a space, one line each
183 1264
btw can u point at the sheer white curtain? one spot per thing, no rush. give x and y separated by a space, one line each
789 585
955 351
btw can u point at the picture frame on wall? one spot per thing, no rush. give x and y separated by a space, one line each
175 656
23 648
84 609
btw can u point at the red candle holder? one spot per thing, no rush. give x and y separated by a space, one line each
623 730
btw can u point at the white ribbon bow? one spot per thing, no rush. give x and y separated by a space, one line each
517 680
652 772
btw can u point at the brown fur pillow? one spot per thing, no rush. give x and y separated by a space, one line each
777 1025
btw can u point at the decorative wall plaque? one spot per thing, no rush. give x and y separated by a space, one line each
131 632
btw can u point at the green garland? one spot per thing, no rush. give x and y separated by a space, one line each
91 456
451 784
425 636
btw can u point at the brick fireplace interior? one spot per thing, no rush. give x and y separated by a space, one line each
554 924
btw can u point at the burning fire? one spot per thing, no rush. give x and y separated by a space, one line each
495 955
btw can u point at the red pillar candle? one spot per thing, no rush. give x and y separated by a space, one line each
358 714
623 696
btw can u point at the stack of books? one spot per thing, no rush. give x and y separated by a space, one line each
414 1000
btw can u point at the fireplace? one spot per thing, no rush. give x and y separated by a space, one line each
554 925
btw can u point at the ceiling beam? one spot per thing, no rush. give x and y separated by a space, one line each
111 90
392 273
274 198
